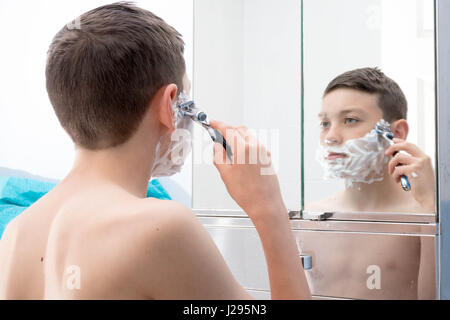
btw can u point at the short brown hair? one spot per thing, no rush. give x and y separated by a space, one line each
102 75
391 99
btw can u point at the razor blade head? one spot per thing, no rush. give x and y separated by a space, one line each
189 109
186 106
382 128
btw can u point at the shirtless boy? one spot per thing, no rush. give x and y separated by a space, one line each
112 84
352 104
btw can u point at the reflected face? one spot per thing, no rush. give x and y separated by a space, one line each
347 114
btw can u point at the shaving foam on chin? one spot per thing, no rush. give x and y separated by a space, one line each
364 162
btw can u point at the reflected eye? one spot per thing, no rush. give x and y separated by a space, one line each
324 124
350 121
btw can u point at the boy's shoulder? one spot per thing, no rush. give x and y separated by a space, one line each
154 222
164 212
151 218
332 203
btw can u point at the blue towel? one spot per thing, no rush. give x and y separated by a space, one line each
17 194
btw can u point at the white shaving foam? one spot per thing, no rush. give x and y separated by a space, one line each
365 161
173 148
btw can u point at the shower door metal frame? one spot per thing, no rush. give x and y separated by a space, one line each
442 42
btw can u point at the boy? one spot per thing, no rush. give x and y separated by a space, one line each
352 104
112 83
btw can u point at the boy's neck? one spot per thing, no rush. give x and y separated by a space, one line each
127 166
376 197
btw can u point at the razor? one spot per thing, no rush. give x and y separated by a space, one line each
382 128
189 109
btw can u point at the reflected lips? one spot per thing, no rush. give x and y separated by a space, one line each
333 156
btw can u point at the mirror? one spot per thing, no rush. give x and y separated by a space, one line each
367 247
249 69
350 172
247 72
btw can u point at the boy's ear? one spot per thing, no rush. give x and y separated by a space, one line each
166 114
400 129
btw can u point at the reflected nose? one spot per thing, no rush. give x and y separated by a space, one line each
333 137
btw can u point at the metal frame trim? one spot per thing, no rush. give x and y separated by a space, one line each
442 35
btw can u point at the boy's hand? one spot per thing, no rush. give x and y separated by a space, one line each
416 165
253 185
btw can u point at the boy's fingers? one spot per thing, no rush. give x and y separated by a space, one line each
228 132
399 158
242 128
247 135
409 147
402 171
232 135
220 158
221 127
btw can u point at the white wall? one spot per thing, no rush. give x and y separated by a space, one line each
31 138
247 72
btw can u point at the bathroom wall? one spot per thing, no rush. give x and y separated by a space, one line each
247 72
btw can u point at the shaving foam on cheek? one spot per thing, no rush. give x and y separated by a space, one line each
173 148
364 160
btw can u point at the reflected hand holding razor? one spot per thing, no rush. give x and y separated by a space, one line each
382 128
189 109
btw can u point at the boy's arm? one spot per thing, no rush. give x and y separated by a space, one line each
252 183
181 260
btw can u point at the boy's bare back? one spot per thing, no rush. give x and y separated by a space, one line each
103 242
